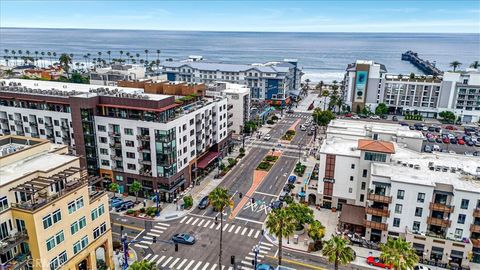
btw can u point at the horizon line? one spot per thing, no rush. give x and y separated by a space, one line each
232 31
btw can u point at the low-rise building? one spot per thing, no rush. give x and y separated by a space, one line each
50 215
109 76
166 87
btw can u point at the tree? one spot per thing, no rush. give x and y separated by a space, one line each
325 94
447 116
114 187
219 198
9 73
337 251
475 64
316 231
367 110
109 53
412 76
319 86
280 223
301 213
399 253
143 265
65 61
381 109
322 118
135 188
455 64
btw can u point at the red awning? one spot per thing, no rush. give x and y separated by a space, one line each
140 108
206 159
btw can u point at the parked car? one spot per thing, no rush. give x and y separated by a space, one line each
438 140
403 124
375 117
267 137
183 238
288 187
453 141
468 154
303 128
394 118
436 148
375 261
348 115
477 144
470 143
450 127
204 202
424 128
461 142
276 204
427 149
289 111
312 128
292 179
438 129
356 117
431 129
420 267
446 140
114 202
282 195
264 266
431 139
411 127
125 206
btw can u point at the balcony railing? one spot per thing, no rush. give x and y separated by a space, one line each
116 145
143 161
476 212
439 222
19 262
379 198
441 207
378 212
12 241
113 134
475 228
115 157
143 137
143 149
376 225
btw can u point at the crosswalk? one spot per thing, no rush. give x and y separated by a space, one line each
170 262
147 239
227 227
263 249
299 115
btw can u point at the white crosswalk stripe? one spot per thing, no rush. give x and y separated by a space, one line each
256 235
218 227
195 221
182 263
201 222
146 242
238 229
190 264
205 266
225 226
148 256
198 265
156 231
153 258
244 230
160 227
189 220
206 223
214 267
183 219
153 234
259 255
231 228
250 233
266 244
174 262
167 261
147 237
141 246
163 224
160 260
213 225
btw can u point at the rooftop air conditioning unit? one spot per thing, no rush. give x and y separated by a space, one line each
445 169
417 167
410 165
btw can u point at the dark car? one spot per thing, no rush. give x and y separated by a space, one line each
453 141
394 118
283 195
438 129
292 179
204 203
431 139
183 238
288 187
114 202
276 204
470 143
403 124
418 126
431 129
124 206
438 140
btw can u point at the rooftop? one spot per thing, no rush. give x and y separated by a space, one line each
363 128
376 146
211 66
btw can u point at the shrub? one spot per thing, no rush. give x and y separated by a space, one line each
263 165
270 158
290 132
274 118
130 212
232 162
270 122
187 201
142 210
242 150
151 211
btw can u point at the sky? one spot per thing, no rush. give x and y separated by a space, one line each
410 16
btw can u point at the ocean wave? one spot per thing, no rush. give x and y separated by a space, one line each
326 77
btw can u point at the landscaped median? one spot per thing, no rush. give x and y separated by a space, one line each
290 134
267 163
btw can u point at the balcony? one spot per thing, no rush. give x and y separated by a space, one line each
143 149
33 124
441 207
18 122
117 168
376 225
64 127
377 212
143 161
143 137
116 145
113 134
19 262
230 115
3 120
475 242
439 222
230 106
12 241
379 198
48 125
116 157
475 228
476 212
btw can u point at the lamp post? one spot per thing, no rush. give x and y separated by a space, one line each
299 151
157 213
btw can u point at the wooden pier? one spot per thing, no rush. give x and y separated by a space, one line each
424 65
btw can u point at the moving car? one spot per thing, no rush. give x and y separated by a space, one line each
394 118
356 117
427 149
375 261
403 124
183 238
264 266
204 203
267 137
124 206
303 128
282 196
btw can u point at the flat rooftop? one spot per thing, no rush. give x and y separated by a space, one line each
212 66
363 128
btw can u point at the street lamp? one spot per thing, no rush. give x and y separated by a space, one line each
299 151
157 213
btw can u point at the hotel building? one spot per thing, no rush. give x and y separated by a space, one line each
109 76
367 83
122 134
271 81
50 215
387 188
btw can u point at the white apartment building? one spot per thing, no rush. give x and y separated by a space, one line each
108 76
385 188
238 98
271 81
122 134
367 83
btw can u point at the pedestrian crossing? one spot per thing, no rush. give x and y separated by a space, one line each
171 262
227 227
263 249
299 115
147 239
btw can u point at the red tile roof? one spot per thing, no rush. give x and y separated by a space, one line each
376 146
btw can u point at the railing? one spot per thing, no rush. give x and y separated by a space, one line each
33 124
64 127
94 194
19 262
143 161
115 157
376 225
476 212
441 207
143 137
143 149
378 212
475 228
116 145
379 198
439 222
113 134
12 241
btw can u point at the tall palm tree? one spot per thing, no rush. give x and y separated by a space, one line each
455 64
49 54
13 52
337 251
219 198
36 57
138 57
109 53
281 223
325 94
121 55
146 55
399 253
475 64
128 56
54 54
65 60
316 231
6 55
158 55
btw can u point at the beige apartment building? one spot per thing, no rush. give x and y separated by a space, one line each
51 216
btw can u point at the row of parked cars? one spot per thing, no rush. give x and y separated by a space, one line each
376 261
120 205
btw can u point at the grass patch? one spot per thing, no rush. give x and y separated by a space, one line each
288 136
267 163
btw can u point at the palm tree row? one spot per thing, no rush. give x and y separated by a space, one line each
455 64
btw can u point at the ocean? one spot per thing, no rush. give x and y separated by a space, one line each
323 56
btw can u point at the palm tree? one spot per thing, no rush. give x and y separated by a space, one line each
146 55
475 64
219 198
54 54
36 57
337 251
316 231
455 64
109 53
41 57
121 55
65 60
398 253
281 223
143 265
138 57
99 57
325 94
13 53
128 56
6 56
9 73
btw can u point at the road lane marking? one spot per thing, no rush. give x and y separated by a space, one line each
231 228
266 194
182 263
174 262
157 231
206 223
160 227
201 222
198 265
190 264
256 235
148 237
266 244
225 227
160 260
250 233
128 226
183 219
205 266
244 230
146 242
167 261
140 246
238 229
189 220
148 256
153 258
299 263
214 267
153 234
163 224
213 225
195 221
218 227
249 220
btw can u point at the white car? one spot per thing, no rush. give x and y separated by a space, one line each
356 117
312 128
267 137
303 128
375 117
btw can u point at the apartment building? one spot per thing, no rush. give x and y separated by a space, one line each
271 81
367 83
50 215
384 188
122 134
109 76
238 98
166 87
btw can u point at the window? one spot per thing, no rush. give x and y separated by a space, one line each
416 226
78 246
418 211
131 166
102 128
101 209
62 258
351 178
71 207
103 151
458 233
464 204
50 243
349 190
353 166
59 237
82 222
396 222
398 208
79 202
364 185
103 139
400 194
128 131
54 264
99 230
362 197
74 228
57 216
129 143
461 219
3 203
105 162
375 156
364 174
130 155
47 221
421 197
75 205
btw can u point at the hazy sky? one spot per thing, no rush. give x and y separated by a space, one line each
428 16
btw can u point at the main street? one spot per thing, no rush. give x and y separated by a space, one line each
242 232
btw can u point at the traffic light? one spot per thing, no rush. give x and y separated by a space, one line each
232 259
240 195
154 239
176 247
